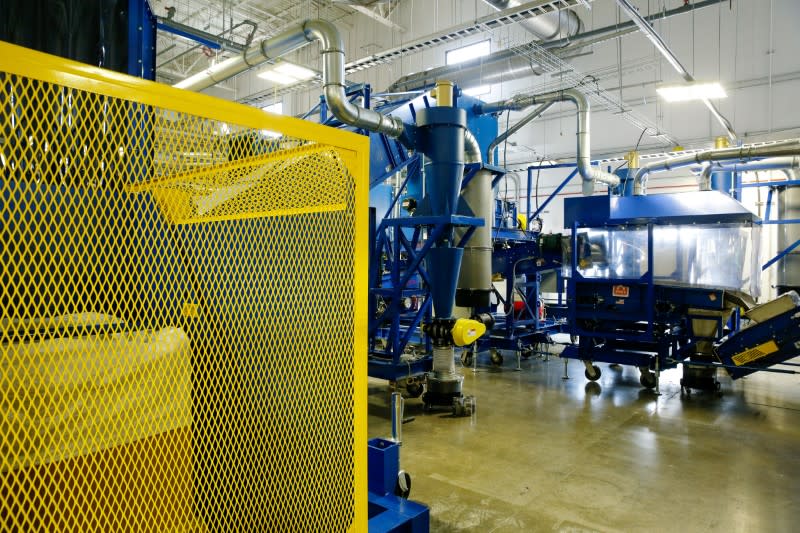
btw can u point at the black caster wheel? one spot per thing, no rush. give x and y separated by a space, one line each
648 380
414 390
597 373
497 358
403 486
467 358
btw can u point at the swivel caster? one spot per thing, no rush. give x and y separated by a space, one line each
403 486
497 358
595 373
414 390
467 358
648 380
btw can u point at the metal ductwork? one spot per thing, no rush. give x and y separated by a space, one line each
500 66
740 154
257 54
786 164
514 129
332 52
589 173
560 24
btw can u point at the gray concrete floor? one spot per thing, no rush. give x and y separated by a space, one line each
546 454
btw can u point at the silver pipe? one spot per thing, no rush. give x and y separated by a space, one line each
742 154
786 164
332 52
261 52
499 66
650 32
554 25
589 173
514 129
472 150
398 405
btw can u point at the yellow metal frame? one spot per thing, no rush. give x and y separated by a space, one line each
352 148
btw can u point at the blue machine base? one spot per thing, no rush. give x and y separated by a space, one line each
392 513
387 511
388 370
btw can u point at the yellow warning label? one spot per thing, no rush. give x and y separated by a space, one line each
748 356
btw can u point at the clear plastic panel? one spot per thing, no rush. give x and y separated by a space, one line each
612 252
720 255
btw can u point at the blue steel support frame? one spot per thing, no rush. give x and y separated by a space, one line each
141 40
766 221
402 325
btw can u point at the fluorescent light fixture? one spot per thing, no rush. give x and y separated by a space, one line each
285 73
295 71
691 91
478 91
277 77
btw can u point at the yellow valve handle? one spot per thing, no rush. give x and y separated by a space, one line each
466 331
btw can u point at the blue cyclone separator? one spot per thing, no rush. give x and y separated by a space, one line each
443 265
440 136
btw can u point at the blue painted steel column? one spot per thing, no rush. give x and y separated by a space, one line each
141 40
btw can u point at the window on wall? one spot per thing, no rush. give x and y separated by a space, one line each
465 53
276 108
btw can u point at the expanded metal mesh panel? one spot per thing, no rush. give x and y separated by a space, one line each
178 318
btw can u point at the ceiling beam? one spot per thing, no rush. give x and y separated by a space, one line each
376 17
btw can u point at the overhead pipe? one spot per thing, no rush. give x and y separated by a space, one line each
624 28
514 129
499 66
506 65
256 54
649 31
332 52
785 164
559 24
589 173
741 154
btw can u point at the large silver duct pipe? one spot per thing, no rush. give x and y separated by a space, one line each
560 24
672 59
475 277
514 129
772 163
500 66
472 150
740 154
261 52
589 173
332 52
788 234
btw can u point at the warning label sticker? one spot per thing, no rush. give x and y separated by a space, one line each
621 291
757 352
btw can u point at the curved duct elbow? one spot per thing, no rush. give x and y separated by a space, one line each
472 150
561 24
332 52
589 173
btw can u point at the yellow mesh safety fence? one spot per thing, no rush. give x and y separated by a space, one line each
183 319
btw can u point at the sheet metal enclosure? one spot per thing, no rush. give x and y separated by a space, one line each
187 291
